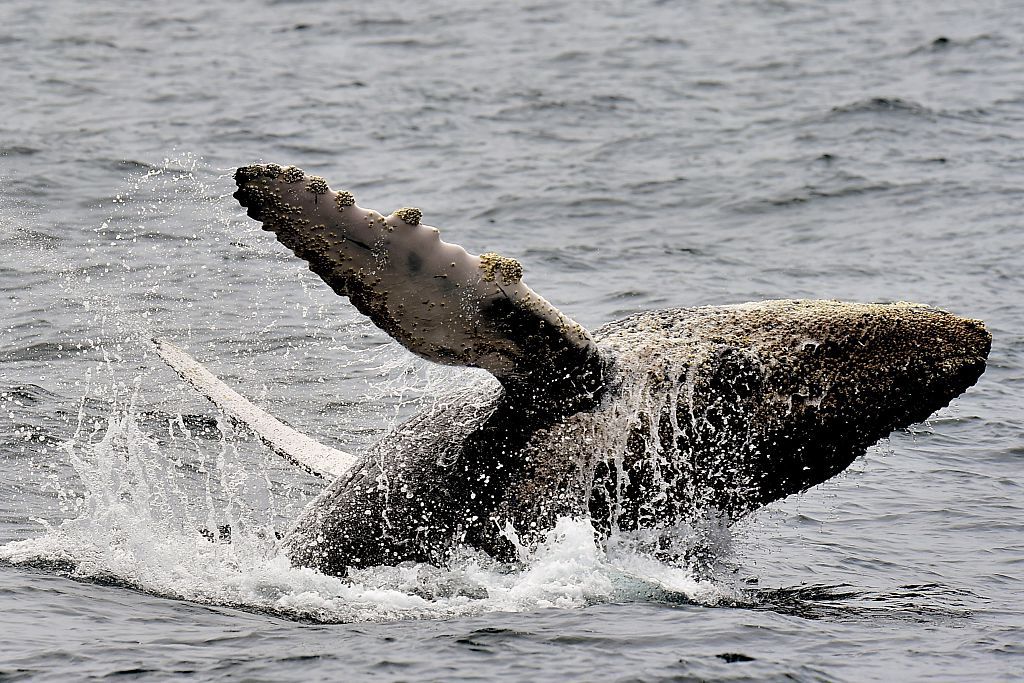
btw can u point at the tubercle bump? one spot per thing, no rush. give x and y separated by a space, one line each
317 185
383 266
410 215
344 199
493 265
292 174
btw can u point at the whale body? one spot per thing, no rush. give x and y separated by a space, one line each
644 423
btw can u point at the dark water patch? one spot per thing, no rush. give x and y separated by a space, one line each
125 165
970 115
940 43
663 247
36 421
68 569
562 260
35 239
71 88
882 105
61 567
660 41
382 23
28 394
943 44
495 639
631 143
18 151
28 442
410 43
733 657
598 205
923 603
24 271
134 672
534 104
895 108
489 638
152 235
841 188
766 66
86 41
38 351
571 56
630 294
657 187
159 423
31 186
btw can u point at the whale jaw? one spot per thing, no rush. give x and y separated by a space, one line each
775 397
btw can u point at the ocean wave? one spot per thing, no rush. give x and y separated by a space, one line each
837 188
898 107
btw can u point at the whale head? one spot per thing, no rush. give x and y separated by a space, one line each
759 401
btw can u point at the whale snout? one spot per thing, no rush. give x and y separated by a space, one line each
779 396
877 368
959 356
904 362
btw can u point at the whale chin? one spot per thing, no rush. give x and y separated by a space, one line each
774 397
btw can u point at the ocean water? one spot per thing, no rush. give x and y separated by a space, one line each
633 156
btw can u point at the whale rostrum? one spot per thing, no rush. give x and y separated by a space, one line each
644 423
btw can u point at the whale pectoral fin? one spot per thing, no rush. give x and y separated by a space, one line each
317 459
436 299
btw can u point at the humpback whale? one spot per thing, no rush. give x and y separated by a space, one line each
644 423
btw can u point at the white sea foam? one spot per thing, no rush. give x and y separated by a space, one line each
137 522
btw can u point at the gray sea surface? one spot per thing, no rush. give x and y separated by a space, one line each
632 155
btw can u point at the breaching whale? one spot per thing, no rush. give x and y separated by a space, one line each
644 423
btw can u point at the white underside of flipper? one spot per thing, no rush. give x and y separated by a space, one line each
318 459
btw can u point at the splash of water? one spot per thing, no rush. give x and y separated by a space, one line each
145 503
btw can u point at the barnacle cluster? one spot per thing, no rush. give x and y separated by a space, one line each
510 270
244 174
344 199
317 185
410 215
292 174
